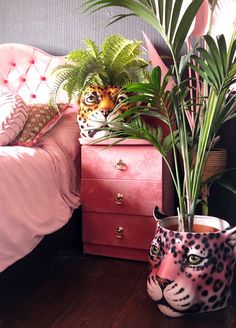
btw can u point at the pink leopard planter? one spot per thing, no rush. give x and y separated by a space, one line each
191 272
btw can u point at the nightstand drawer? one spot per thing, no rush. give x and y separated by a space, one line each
124 196
105 229
121 162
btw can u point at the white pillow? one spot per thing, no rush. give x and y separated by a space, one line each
13 116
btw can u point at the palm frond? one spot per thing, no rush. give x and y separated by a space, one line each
181 29
137 128
216 66
141 9
162 15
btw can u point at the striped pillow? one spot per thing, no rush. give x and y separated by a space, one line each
13 116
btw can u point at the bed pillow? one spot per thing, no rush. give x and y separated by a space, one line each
41 119
13 116
66 129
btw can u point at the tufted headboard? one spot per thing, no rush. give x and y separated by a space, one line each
26 71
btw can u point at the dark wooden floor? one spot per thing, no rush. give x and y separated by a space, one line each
70 290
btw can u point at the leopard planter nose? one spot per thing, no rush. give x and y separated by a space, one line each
191 272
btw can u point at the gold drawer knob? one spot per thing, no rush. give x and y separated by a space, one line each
119 199
120 165
119 232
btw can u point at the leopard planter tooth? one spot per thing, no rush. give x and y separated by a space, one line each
96 108
191 272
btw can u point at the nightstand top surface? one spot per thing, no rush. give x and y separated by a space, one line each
134 142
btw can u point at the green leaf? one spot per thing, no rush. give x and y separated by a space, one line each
228 184
165 81
156 77
209 78
138 8
184 25
207 63
231 54
223 53
92 49
214 52
140 87
161 10
168 142
184 60
168 12
175 17
119 17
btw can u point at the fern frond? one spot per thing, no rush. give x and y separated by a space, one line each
111 47
62 79
118 50
92 49
77 56
129 50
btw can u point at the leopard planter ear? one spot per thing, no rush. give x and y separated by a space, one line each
191 272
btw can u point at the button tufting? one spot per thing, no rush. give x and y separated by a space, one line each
26 70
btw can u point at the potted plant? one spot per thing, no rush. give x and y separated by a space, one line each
189 271
95 77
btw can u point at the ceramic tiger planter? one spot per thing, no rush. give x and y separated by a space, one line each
191 272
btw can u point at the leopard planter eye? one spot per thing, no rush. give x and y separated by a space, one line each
191 272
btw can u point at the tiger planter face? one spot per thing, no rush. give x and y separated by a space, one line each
96 108
190 272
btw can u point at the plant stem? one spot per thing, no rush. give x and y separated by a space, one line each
185 197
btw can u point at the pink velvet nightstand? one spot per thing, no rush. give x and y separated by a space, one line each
120 187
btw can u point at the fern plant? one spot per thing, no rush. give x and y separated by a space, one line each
118 62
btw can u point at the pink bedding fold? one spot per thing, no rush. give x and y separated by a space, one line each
39 189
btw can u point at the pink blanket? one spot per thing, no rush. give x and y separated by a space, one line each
38 189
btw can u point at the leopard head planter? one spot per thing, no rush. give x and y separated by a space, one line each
96 109
191 272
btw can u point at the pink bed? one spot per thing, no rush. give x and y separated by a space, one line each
39 185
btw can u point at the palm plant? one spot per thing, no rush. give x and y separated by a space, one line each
118 62
204 95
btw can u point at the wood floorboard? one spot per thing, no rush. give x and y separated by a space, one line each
106 291
82 291
51 301
86 292
140 310
23 280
